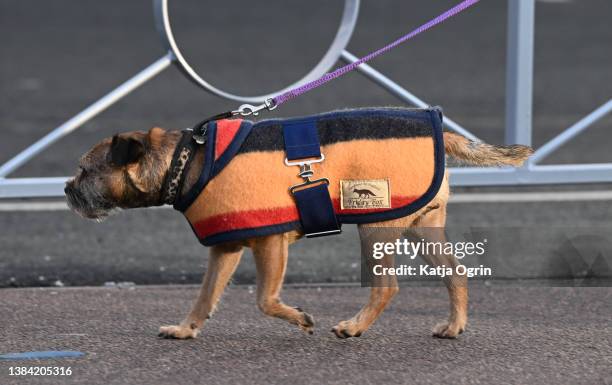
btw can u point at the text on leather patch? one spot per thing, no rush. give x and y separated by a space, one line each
365 194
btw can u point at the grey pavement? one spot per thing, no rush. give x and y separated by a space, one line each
515 336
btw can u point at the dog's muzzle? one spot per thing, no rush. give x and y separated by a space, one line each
78 202
74 197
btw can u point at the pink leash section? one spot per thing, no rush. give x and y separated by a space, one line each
278 100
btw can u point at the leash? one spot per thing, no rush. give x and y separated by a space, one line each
272 103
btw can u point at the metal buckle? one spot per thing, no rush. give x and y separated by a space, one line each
323 233
304 162
308 182
306 172
201 137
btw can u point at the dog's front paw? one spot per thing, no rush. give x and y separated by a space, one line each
448 329
347 329
177 332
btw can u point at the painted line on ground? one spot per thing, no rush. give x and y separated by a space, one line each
494 197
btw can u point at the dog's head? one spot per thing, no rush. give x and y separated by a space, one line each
124 171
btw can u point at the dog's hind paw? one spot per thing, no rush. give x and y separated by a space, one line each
448 329
347 329
307 322
177 332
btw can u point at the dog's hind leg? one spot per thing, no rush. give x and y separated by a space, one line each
271 255
383 287
430 227
222 263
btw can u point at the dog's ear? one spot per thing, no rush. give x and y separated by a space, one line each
125 150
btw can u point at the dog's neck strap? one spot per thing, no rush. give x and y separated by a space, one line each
175 176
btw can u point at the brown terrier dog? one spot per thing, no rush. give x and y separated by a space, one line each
128 171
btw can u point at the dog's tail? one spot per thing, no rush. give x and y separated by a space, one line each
483 154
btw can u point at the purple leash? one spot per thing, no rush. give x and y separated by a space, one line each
270 104
277 101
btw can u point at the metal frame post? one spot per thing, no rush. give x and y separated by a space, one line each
519 72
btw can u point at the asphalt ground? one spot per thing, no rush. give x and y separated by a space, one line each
515 336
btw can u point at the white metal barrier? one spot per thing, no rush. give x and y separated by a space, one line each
519 92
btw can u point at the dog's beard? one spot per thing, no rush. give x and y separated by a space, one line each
90 204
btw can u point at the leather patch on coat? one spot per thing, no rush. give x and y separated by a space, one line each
365 194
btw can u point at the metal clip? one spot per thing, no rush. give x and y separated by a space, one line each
306 172
303 162
307 182
249 109
200 136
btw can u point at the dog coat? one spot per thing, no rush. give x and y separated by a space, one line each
381 164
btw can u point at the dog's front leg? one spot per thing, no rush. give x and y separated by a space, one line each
271 255
222 263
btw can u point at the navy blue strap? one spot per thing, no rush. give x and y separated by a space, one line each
312 198
316 210
301 139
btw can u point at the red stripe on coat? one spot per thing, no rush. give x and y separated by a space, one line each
226 131
250 219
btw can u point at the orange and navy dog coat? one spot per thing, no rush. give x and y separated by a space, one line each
379 163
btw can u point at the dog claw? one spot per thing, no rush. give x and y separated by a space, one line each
176 333
308 320
167 336
447 330
344 334
347 329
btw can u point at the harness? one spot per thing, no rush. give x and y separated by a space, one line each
311 174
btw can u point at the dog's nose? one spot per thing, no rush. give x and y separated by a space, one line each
69 187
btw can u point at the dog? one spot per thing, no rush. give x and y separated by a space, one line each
131 170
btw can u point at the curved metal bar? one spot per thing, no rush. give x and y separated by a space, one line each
341 40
